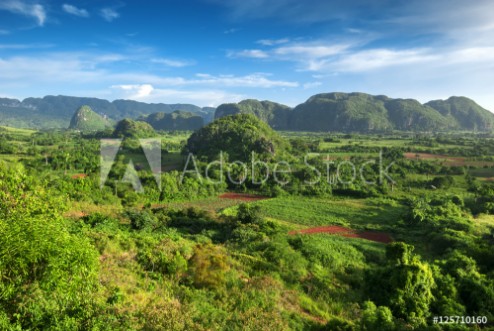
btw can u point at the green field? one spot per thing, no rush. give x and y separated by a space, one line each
184 258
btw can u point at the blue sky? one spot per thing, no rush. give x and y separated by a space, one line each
213 51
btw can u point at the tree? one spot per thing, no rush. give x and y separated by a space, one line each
404 285
48 276
376 318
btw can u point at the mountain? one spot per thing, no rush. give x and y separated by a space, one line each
361 112
178 120
85 119
342 112
465 113
56 111
275 114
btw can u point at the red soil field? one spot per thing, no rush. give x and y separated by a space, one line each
242 196
453 160
346 232
78 176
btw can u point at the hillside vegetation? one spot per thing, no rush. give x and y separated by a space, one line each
275 114
237 135
360 112
85 119
56 111
294 251
340 112
128 128
178 120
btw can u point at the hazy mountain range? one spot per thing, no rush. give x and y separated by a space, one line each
344 112
57 111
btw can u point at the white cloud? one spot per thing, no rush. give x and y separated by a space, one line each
311 50
471 54
82 73
272 42
147 93
253 80
35 10
109 14
312 85
250 53
173 63
73 10
137 91
373 59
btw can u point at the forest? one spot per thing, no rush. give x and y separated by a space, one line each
318 246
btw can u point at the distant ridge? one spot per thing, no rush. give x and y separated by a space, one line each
341 112
361 112
56 111
178 120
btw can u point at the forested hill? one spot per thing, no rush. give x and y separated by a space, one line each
367 113
178 120
342 112
57 111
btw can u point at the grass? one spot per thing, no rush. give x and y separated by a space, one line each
353 213
212 205
22 132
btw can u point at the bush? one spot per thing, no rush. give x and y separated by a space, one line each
167 256
376 318
142 220
208 266
405 284
48 277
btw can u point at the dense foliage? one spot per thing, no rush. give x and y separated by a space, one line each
238 136
360 112
77 253
86 120
178 120
275 114
128 128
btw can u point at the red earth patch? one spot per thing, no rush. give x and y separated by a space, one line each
242 196
78 176
346 232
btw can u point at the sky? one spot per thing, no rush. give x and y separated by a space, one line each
208 52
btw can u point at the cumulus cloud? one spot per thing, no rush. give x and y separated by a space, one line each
35 10
136 91
109 14
73 10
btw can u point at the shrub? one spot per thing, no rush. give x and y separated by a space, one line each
208 266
